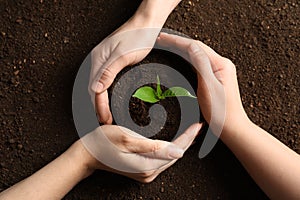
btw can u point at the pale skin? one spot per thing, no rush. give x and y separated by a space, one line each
150 14
57 178
273 166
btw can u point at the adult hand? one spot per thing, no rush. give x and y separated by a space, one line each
126 46
110 148
272 165
120 150
218 92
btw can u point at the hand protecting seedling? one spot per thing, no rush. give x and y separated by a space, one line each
124 47
218 92
123 151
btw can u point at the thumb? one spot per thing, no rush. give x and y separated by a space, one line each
175 149
107 73
185 140
156 149
123 51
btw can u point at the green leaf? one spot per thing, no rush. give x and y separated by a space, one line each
177 92
146 94
158 89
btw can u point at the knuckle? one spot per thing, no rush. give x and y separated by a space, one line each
107 74
228 64
145 175
195 50
155 147
125 140
147 180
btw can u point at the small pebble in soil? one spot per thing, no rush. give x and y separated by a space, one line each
16 72
14 81
66 40
35 99
20 146
11 141
251 83
19 21
162 189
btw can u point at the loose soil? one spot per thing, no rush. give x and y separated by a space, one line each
43 43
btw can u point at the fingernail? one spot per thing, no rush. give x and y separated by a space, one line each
194 47
97 87
175 152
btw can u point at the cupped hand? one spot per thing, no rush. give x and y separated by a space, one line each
120 150
218 92
126 46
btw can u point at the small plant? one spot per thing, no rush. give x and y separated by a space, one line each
148 94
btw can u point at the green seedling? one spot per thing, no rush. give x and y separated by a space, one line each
150 95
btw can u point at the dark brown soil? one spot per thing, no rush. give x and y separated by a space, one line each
43 43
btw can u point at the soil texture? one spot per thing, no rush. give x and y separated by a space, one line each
43 43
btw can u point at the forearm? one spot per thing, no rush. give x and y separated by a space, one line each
156 12
273 166
54 180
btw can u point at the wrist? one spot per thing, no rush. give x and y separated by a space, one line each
154 13
83 158
234 127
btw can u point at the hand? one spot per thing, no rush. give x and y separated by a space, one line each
217 81
126 46
110 148
110 57
120 150
273 166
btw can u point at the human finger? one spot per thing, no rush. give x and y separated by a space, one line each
156 149
196 55
185 140
107 73
102 108
182 43
128 47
